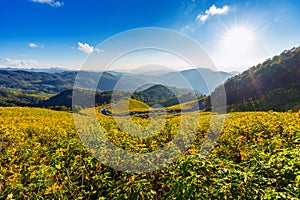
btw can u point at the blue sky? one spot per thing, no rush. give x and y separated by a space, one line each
61 33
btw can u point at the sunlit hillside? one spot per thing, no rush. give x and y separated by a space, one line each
127 106
271 85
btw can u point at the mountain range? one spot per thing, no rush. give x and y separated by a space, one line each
271 85
54 83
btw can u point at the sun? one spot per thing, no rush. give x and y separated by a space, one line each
237 41
238 46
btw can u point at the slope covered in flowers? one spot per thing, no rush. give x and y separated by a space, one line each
42 157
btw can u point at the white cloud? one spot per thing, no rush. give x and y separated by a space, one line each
7 62
52 3
88 49
32 45
85 48
213 10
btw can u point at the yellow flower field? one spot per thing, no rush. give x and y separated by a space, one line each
256 156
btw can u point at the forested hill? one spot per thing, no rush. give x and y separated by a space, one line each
36 82
165 96
272 85
29 82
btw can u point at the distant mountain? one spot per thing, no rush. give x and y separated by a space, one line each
51 70
54 83
203 80
272 85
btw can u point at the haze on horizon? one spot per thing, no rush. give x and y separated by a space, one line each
62 33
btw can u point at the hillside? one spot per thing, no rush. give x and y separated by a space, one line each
28 88
163 95
29 82
125 106
189 105
156 94
36 82
14 98
43 157
82 96
272 85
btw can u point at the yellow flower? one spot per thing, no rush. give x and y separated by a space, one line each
32 175
278 144
260 140
52 189
10 196
131 179
243 155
